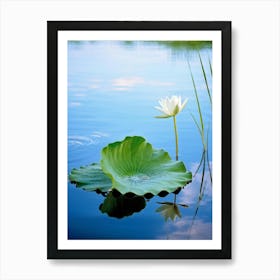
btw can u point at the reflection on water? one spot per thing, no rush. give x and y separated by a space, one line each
112 90
120 206
169 210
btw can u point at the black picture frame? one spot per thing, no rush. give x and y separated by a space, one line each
53 27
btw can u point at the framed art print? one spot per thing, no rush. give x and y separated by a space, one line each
139 140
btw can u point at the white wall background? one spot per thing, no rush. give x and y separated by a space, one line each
255 127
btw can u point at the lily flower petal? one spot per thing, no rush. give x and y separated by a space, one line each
161 110
171 106
184 104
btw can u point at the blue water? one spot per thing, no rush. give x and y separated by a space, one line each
112 90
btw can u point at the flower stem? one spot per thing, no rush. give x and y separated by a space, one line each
176 136
174 202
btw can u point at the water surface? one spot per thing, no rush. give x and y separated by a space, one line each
112 90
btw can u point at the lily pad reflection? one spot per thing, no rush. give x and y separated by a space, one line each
122 206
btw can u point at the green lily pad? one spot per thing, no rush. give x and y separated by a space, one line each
134 166
90 178
122 206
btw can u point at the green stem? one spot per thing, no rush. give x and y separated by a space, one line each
176 136
205 78
174 202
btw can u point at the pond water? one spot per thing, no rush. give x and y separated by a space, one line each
113 87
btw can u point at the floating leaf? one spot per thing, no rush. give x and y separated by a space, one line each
90 178
134 166
122 206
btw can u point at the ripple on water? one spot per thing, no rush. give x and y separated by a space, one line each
93 139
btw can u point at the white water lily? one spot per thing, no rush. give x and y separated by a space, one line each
170 107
